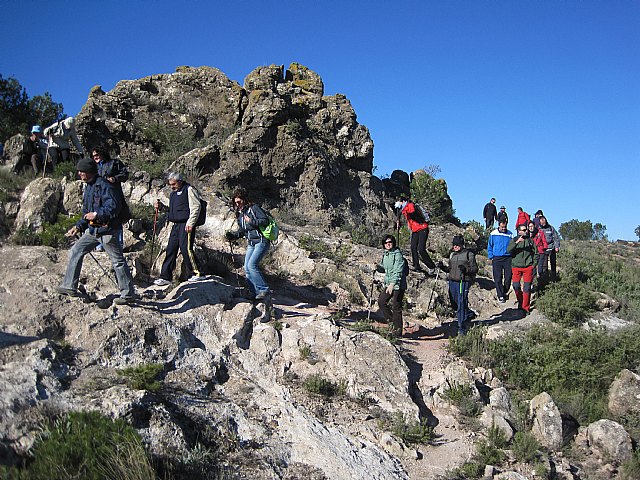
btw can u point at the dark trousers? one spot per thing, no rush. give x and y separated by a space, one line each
392 314
58 155
179 240
552 261
501 269
488 223
419 249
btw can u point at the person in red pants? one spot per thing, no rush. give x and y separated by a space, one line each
522 250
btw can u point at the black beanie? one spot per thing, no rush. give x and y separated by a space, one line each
87 165
458 240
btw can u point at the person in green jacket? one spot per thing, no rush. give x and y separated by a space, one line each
394 266
523 251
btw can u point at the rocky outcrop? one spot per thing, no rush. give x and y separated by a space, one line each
39 204
277 135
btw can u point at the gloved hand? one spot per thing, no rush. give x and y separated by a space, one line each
229 236
378 268
463 269
390 288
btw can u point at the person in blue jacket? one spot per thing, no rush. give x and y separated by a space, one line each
99 224
500 259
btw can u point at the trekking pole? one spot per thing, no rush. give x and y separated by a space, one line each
103 270
433 289
46 155
373 281
153 239
233 264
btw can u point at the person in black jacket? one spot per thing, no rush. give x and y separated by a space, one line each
34 148
250 218
490 214
462 270
100 224
184 209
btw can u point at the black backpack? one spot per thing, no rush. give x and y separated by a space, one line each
419 214
202 216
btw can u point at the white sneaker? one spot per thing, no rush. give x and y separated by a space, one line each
197 278
162 282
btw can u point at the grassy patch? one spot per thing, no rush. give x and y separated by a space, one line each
319 385
412 433
85 445
143 377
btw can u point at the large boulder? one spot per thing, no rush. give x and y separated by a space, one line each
547 422
13 153
39 204
610 439
624 394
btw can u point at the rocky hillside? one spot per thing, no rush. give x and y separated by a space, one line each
306 387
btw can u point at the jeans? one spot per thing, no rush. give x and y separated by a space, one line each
85 244
459 294
254 254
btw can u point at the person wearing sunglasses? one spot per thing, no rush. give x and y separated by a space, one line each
523 252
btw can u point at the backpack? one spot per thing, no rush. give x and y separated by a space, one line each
271 230
419 215
202 216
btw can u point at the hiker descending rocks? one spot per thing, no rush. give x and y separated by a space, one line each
115 172
540 241
419 227
394 267
59 135
99 224
500 260
553 245
34 148
184 211
462 271
502 215
251 217
523 218
523 251
490 214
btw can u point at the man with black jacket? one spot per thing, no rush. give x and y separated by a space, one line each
99 224
184 209
462 271
490 213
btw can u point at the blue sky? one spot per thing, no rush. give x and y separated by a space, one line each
536 103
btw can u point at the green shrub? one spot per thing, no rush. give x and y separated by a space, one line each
320 249
631 469
567 302
462 397
525 447
321 386
472 346
143 377
412 433
25 236
488 453
305 352
11 184
86 445
53 234
65 169
431 193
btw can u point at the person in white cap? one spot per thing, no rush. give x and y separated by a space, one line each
34 147
61 134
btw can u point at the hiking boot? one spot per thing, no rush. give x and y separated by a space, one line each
125 300
197 278
161 282
502 300
99 248
70 292
262 294
417 269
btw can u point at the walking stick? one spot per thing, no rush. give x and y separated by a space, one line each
233 264
373 280
46 155
433 289
153 239
103 270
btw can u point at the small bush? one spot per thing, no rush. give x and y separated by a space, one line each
65 169
11 184
321 386
305 352
489 454
462 397
86 445
525 447
143 377
26 237
412 433
53 234
631 469
567 302
472 346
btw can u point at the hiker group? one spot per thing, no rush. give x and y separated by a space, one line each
517 261
51 145
104 210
